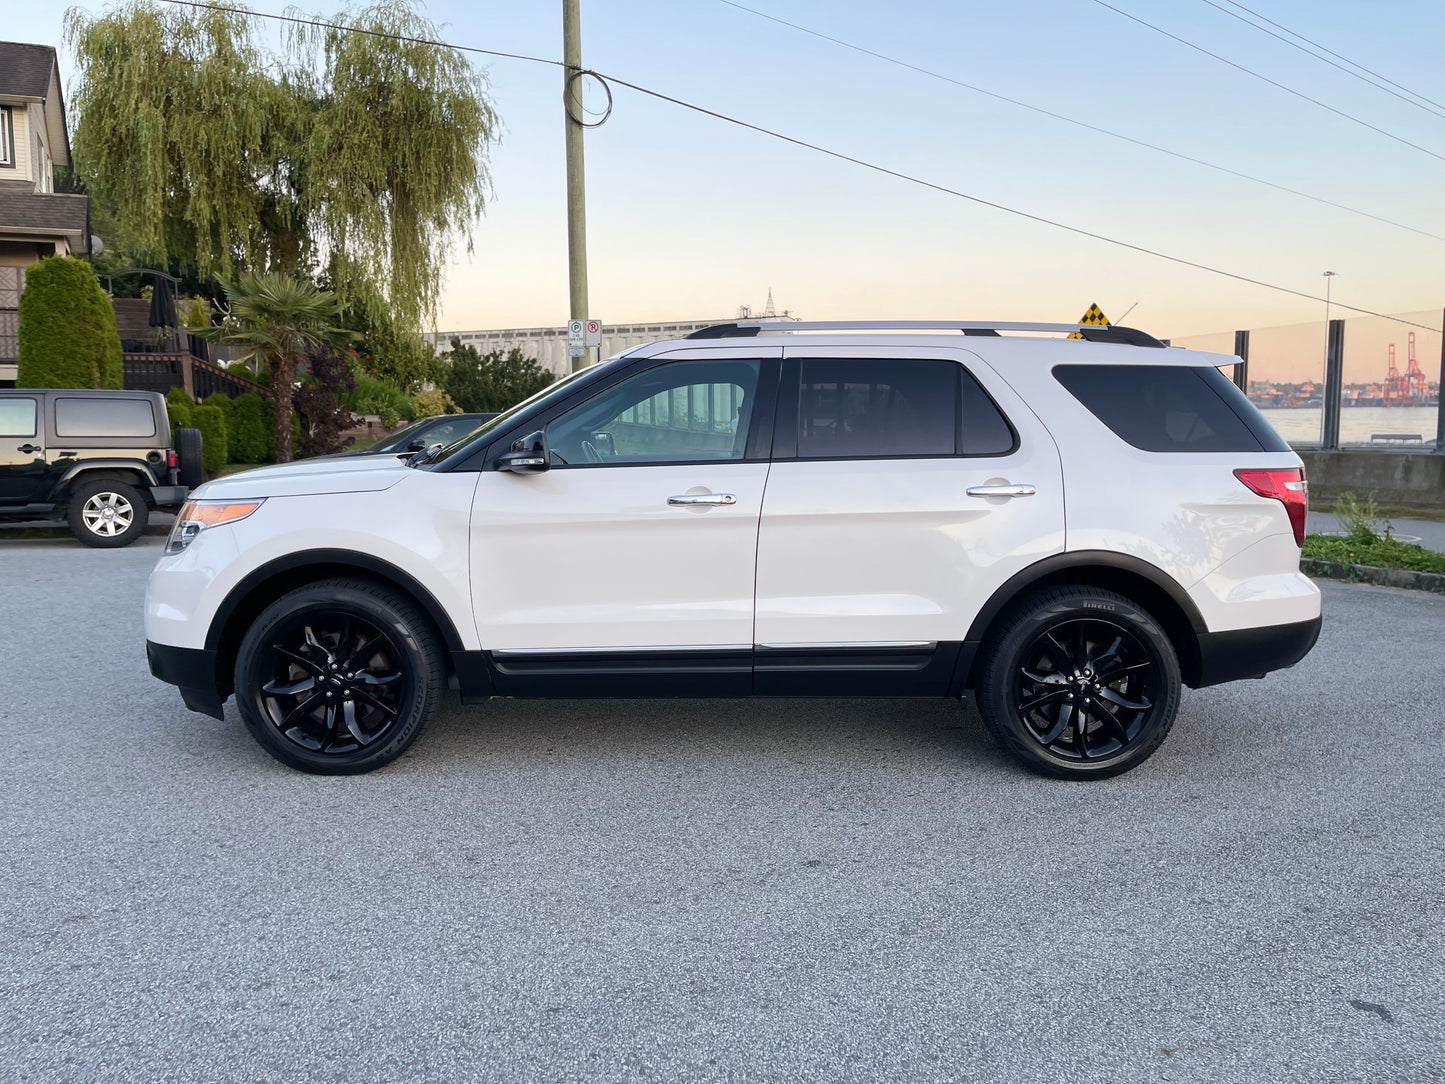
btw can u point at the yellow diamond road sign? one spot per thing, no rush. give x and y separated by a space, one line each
1095 315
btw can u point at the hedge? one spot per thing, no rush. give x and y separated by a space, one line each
181 407
252 429
211 421
67 336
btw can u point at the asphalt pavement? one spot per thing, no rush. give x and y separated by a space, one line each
715 891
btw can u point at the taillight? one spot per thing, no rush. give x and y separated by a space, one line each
171 459
1288 486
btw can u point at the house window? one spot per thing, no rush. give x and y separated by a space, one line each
7 138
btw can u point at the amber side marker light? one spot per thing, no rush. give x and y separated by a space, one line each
195 516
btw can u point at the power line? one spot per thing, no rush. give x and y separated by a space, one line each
1324 59
1288 90
1337 56
658 95
1080 123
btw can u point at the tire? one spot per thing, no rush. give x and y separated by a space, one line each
190 469
107 513
320 708
1033 704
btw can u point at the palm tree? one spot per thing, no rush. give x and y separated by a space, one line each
279 320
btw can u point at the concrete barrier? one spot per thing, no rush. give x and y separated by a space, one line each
1414 479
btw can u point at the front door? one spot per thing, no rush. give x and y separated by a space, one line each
24 476
907 486
627 567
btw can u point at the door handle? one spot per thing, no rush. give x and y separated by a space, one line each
29 449
1001 491
703 498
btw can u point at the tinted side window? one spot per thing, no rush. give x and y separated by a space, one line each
1160 408
849 409
985 431
104 418
17 417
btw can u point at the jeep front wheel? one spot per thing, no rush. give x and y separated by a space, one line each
339 677
107 513
1080 683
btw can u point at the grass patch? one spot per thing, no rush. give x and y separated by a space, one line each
1366 540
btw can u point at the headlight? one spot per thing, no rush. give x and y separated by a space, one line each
196 516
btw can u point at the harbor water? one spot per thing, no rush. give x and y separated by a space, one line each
1358 425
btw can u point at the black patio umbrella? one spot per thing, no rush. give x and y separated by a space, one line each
163 303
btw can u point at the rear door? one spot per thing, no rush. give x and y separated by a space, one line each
24 477
907 485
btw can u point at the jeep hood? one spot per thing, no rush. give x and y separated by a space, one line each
308 477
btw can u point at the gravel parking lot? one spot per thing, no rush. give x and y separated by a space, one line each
768 891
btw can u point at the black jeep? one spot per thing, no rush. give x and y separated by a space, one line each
101 459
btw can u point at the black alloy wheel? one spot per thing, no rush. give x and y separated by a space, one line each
339 677
1079 682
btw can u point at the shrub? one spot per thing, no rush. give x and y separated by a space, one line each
222 402
211 421
322 419
181 408
251 429
1360 520
373 396
428 404
492 381
67 334
243 371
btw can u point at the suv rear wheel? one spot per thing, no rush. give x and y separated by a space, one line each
107 513
338 677
1079 683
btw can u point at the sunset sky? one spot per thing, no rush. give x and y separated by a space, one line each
690 217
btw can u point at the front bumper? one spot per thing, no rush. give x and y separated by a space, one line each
193 670
169 496
1244 653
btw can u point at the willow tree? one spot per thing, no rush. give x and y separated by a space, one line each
354 155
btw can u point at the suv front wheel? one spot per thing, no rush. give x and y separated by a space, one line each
1079 683
107 513
338 677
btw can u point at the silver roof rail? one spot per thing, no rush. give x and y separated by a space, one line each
1106 333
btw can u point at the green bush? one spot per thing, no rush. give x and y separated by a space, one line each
373 396
181 408
1382 553
494 380
428 404
243 371
211 421
67 334
252 429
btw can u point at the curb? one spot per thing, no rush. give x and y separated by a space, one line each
8 534
1405 578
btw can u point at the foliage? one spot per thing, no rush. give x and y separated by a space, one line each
428 404
181 408
251 430
278 320
67 331
322 419
1360 520
210 150
493 381
372 396
242 371
221 401
395 356
211 421
1383 552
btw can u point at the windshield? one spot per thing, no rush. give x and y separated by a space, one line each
398 441
502 420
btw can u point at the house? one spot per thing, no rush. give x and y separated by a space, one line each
35 220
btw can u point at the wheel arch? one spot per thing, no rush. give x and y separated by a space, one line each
1148 585
263 585
98 470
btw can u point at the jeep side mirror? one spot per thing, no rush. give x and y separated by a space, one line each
529 455
416 445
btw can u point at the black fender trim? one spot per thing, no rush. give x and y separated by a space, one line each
132 466
1062 562
192 670
365 562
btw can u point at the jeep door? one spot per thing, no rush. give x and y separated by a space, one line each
628 565
907 485
24 477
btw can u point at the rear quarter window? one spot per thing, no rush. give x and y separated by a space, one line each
104 417
1171 408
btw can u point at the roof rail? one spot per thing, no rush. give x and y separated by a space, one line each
1098 333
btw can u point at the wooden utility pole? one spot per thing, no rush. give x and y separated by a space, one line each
576 186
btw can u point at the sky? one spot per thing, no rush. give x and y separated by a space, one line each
689 217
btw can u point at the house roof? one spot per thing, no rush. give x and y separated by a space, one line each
25 212
25 70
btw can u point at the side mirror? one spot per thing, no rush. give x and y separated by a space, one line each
529 455
416 445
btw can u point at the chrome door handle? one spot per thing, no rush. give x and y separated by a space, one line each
703 498
1001 491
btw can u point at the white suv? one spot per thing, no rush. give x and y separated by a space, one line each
1071 528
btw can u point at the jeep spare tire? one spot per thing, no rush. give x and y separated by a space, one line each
188 458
